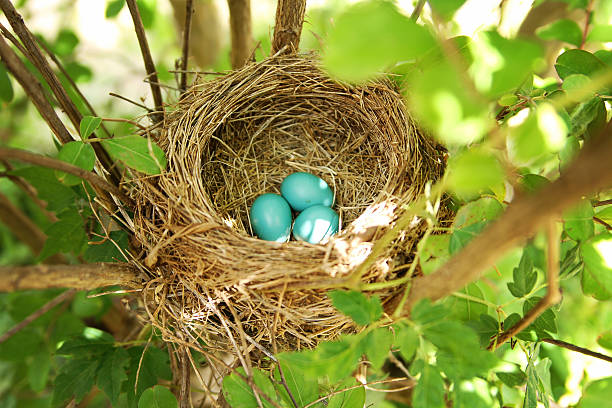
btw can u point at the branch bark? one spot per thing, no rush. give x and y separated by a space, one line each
186 33
288 26
82 277
148 61
591 171
240 28
90 177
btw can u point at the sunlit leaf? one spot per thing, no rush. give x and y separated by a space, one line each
304 389
113 8
579 224
88 125
597 394
474 171
474 393
561 30
446 8
353 397
429 391
357 306
137 152
601 33
433 252
597 255
407 339
605 339
577 62
78 154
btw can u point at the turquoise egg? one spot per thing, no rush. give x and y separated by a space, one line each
302 190
315 224
271 218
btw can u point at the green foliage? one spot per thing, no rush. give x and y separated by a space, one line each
88 125
6 88
474 171
65 236
353 397
113 7
240 395
157 397
445 8
578 62
357 306
304 389
597 394
137 152
562 30
107 250
429 392
78 154
596 253
524 277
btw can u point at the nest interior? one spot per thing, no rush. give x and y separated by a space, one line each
236 136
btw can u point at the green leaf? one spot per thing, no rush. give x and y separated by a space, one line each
547 321
429 391
113 8
377 345
533 182
531 391
65 42
562 30
157 397
461 237
112 373
597 255
88 125
57 195
577 62
84 307
151 366
446 8
147 12
467 309
605 214
75 378
6 88
597 394
485 327
524 277
238 393
78 154
348 399
474 171
407 340
106 250
605 340
484 209
513 378
433 252
591 285
543 371
304 389
83 347
569 151
25 343
507 100
605 56
137 152
64 236
38 371
601 33
357 306
424 312
381 41
473 394
579 224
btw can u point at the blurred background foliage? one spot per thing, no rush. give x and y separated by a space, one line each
512 89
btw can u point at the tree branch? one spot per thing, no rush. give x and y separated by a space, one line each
186 34
148 61
591 171
82 277
288 27
577 349
90 177
240 28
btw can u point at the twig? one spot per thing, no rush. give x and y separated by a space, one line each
148 60
184 379
84 277
602 222
582 350
34 90
131 101
587 23
386 381
24 229
240 29
90 177
35 315
122 120
552 291
288 25
602 203
416 13
186 33
523 218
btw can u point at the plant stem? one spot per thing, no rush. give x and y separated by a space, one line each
186 33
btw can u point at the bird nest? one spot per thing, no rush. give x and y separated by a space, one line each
237 136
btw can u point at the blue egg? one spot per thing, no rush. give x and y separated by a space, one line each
302 190
271 218
316 224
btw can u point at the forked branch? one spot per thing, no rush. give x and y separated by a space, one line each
288 25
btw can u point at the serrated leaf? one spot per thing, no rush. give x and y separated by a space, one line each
380 43
137 152
75 378
513 378
524 277
106 250
83 347
357 306
429 391
474 171
157 397
485 328
113 8
6 88
88 125
354 397
597 255
64 236
562 30
78 154
577 62
304 389
238 393
57 195
377 345
579 224
597 394
112 373
467 309
547 321
433 252
407 340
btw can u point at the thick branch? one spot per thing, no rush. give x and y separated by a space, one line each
186 34
82 277
288 27
148 60
240 28
591 171
90 177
